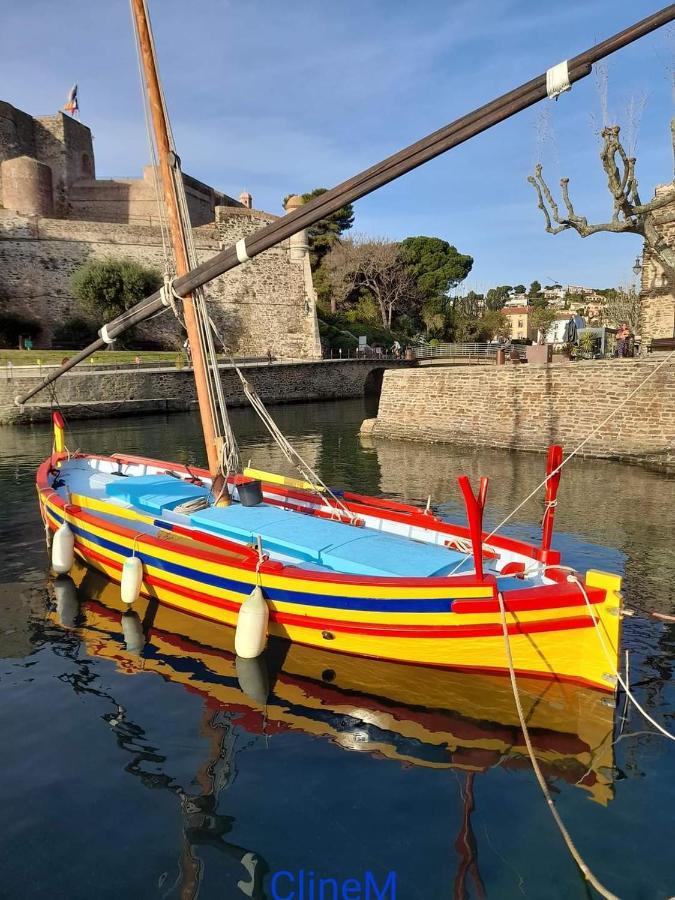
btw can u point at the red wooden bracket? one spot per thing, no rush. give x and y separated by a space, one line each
553 460
474 513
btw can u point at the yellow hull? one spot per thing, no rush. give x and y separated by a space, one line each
465 721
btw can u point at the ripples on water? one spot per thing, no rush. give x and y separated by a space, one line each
131 763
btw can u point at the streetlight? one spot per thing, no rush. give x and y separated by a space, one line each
637 268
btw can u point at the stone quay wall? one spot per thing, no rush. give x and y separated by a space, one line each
86 394
530 407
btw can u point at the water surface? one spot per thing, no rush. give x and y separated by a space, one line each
132 764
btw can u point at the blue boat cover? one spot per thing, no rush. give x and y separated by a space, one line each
335 545
316 541
152 493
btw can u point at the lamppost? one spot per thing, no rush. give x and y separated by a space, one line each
637 268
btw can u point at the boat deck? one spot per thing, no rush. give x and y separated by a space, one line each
293 537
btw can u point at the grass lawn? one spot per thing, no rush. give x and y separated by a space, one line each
55 357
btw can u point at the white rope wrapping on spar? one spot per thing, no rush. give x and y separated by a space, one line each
557 80
576 856
103 334
240 247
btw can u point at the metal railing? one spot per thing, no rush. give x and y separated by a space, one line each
11 370
455 351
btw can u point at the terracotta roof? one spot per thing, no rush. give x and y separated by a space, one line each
516 310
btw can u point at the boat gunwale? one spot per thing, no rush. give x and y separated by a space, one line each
540 598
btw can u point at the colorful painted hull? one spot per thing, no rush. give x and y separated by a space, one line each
417 715
450 622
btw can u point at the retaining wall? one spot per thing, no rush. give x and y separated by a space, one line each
529 407
87 394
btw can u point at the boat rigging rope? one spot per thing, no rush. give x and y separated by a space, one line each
289 451
573 578
576 856
227 450
583 443
292 454
573 453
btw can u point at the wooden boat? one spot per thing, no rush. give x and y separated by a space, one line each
369 577
417 715
353 574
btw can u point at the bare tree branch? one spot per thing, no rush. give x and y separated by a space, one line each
629 214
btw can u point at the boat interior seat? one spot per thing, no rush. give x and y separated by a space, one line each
333 545
153 493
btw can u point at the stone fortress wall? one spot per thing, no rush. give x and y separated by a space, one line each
55 215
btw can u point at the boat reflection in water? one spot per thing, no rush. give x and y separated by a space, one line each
416 714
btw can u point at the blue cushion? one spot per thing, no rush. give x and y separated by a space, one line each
238 522
388 554
152 493
338 546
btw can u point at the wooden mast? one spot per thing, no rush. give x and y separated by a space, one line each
165 155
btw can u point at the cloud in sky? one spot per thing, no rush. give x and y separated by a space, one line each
282 97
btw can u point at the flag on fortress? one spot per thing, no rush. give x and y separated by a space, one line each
71 105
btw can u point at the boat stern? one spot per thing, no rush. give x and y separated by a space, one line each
608 621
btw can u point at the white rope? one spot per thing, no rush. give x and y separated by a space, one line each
557 80
573 578
576 856
103 334
291 453
240 247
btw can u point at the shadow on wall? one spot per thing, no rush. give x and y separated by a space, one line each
373 383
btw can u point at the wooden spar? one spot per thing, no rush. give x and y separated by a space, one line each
366 182
164 152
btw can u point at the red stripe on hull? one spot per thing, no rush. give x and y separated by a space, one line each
365 628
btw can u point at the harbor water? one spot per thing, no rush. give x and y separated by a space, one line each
139 758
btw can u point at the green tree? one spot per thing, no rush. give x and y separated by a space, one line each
435 265
74 333
496 297
519 289
493 324
535 290
104 288
543 319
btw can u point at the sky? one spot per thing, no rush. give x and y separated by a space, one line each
276 98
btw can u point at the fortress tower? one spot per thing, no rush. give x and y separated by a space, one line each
55 215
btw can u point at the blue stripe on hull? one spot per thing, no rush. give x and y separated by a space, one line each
361 604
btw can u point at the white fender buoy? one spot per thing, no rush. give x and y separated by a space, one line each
132 578
253 678
250 636
132 629
63 550
67 606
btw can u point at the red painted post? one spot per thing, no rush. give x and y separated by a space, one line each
553 460
474 513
